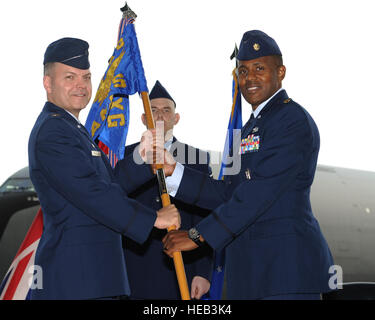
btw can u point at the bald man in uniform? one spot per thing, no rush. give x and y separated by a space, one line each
144 260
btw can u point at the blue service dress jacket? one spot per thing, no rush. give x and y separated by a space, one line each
262 215
84 211
151 272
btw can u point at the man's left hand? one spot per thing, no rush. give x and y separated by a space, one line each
199 287
178 241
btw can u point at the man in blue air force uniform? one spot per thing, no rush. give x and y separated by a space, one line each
151 272
84 211
262 215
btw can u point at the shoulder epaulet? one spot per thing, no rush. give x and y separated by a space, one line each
287 100
55 115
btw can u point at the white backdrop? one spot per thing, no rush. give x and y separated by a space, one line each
328 49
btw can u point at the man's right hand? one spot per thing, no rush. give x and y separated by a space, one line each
151 150
151 147
168 216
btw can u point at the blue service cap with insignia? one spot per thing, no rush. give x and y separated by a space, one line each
158 91
256 44
70 51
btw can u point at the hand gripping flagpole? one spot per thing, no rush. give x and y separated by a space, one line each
177 256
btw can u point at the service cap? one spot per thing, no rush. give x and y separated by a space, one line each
70 51
257 44
158 91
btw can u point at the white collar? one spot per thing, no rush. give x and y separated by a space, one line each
168 144
263 104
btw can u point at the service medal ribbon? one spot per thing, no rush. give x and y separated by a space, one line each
250 144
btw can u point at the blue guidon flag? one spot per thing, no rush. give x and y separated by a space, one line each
108 119
235 122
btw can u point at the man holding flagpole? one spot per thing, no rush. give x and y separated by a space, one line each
143 260
262 215
84 211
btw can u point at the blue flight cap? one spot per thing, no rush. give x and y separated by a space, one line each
257 44
70 51
158 91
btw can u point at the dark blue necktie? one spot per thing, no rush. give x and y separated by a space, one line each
247 125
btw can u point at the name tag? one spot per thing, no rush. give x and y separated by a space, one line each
95 153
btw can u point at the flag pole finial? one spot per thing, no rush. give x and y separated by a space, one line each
127 12
234 54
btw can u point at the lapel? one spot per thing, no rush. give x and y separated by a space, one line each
175 143
247 127
180 152
53 109
274 102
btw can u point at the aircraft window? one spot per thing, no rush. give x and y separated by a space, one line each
17 185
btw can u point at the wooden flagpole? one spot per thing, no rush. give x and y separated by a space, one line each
177 256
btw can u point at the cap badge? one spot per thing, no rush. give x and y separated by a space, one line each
256 46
